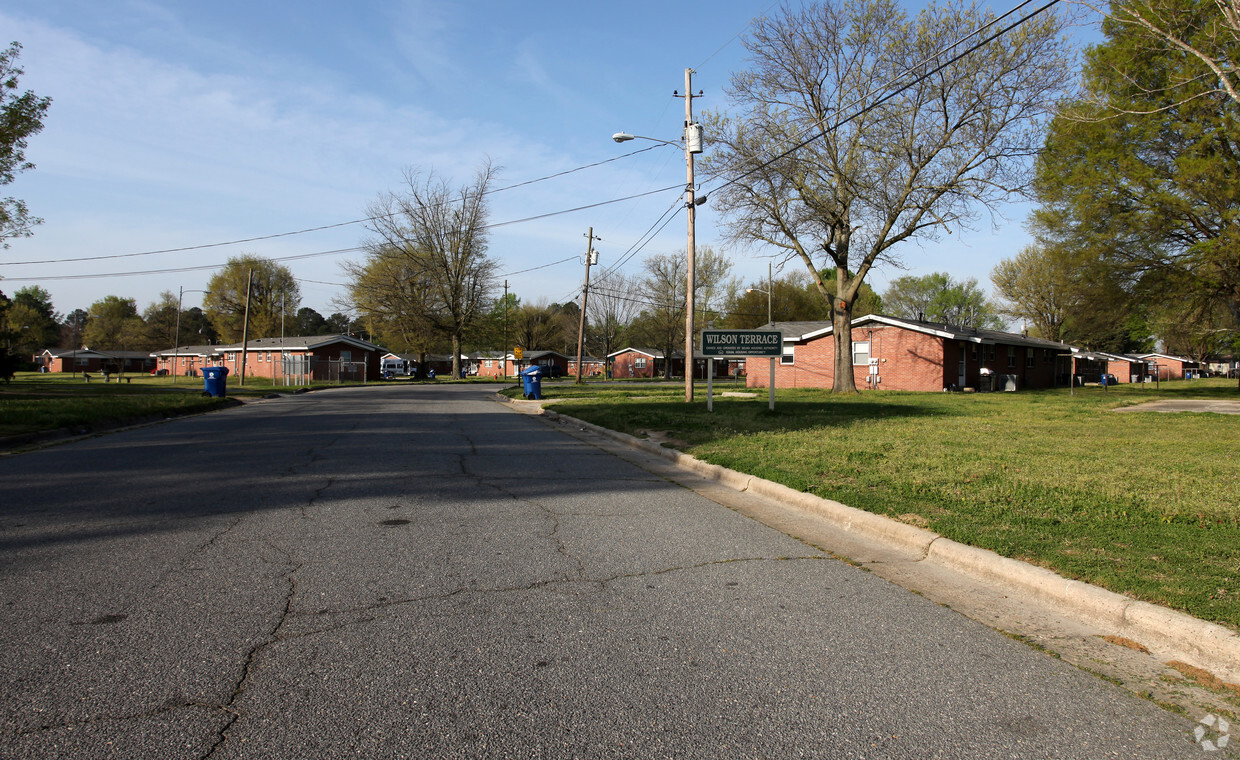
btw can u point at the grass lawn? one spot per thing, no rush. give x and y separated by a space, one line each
1145 504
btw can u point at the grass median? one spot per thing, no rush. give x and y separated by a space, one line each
1143 503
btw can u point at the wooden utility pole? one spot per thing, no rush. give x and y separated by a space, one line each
585 293
506 349
693 144
245 323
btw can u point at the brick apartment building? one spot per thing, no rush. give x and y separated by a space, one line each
901 354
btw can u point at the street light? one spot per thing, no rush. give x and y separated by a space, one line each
768 301
770 283
692 144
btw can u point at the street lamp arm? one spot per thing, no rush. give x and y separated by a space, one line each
623 137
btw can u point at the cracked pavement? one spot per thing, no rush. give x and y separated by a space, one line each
417 571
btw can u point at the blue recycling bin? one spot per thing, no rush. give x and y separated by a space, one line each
532 380
214 382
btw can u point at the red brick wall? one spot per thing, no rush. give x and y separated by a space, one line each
622 365
907 361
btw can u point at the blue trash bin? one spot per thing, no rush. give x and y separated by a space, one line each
532 380
214 382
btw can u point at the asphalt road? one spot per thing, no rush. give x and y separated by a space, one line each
417 572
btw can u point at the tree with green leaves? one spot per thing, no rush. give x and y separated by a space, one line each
308 322
267 287
859 129
427 263
939 297
114 324
1140 177
8 359
162 320
33 321
73 327
21 115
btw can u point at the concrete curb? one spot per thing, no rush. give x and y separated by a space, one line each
1181 636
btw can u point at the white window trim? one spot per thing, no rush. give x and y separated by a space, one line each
865 343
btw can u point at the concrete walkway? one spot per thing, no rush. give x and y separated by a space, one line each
1186 405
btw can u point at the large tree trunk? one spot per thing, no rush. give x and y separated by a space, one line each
841 319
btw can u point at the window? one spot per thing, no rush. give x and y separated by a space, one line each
788 356
1029 353
489 363
861 352
1011 356
639 363
346 355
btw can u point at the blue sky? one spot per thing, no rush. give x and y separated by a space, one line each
185 124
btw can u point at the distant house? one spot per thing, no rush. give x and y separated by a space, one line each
902 354
493 363
87 360
547 359
643 362
590 366
186 361
1090 366
1167 367
299 360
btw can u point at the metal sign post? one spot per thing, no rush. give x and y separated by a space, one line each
739 344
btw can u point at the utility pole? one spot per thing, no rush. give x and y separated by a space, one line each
245 323
693 144
585 293
176 345
504 348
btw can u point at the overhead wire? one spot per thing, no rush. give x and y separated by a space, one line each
892 83
260 238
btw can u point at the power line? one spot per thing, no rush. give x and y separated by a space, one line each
295 257
861 112
185 249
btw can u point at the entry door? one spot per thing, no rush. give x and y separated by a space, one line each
960 382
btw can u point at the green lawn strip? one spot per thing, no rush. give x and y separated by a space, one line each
23 414
1141 503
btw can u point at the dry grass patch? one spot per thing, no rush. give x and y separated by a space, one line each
1205 678
1126 642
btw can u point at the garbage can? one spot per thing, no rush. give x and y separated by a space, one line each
532 380
214 382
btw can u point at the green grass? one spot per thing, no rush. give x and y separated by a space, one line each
34 403
1146 504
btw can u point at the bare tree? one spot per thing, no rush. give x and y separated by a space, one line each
610 310
662 320
430 246
861 129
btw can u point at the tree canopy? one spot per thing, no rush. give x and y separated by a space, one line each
831 162
427 270
1140 177
938 297
21 115
272 292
